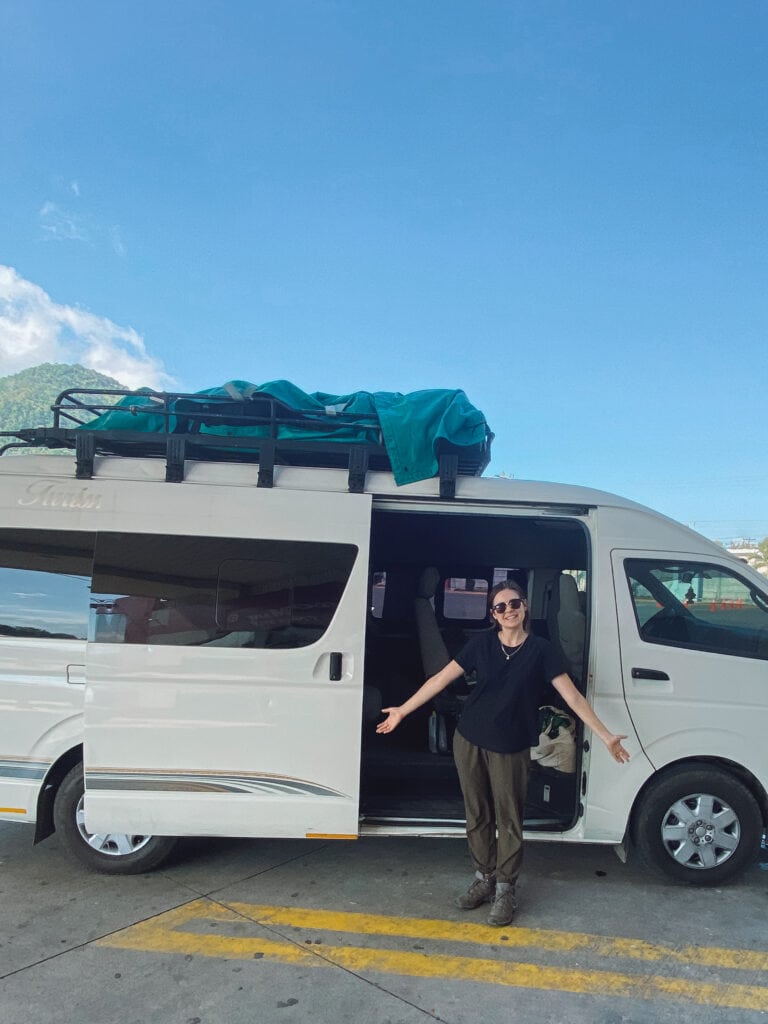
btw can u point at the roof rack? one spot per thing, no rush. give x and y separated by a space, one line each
178 426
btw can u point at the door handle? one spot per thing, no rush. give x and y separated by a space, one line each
76 675
649 673
334 673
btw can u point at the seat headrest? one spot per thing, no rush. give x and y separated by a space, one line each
428 582
569 594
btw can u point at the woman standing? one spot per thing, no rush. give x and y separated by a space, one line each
498 727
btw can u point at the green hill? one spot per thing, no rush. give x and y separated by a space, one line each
26 397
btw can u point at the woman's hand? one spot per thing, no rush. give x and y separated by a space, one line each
580 706
617 751
393 719
434 685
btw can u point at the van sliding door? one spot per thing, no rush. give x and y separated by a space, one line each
225 669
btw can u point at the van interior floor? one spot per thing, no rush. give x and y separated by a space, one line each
418 786
412 784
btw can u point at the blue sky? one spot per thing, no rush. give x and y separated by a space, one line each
560 208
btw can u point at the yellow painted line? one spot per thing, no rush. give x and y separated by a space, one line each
167 934
154 937
451 931
12 810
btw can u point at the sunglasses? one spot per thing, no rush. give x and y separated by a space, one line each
513 604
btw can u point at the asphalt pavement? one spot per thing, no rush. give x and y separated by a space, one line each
293 931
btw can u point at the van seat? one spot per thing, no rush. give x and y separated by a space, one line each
432 646
567 623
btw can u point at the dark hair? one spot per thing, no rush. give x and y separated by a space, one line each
508 585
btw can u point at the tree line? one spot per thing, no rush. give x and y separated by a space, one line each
26 397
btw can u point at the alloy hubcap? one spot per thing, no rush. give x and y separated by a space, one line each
700 831
113 844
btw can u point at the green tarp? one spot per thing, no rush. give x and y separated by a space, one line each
412 426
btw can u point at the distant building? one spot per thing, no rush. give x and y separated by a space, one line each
751 554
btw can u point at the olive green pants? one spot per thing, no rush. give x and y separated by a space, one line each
494 788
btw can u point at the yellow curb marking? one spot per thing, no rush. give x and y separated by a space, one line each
172 933
451 931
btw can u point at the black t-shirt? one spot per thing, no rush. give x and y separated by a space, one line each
502 712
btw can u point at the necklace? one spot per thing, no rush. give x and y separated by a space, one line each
510 652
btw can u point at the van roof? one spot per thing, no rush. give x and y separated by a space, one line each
489 489
634 525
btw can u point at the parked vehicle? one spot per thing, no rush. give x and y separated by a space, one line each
193 646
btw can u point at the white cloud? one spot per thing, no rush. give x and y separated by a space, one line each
66 222
116 239
60 224
34 329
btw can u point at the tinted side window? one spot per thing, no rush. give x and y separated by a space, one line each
457 600
215 591
465 598
698 605
44 584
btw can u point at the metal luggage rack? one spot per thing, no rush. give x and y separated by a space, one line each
182 417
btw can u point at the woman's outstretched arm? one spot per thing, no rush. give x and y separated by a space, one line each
581 707
434 685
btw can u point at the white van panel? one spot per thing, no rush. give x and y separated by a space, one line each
37 699
700 703
236 741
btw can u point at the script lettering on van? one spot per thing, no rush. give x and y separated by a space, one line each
48 495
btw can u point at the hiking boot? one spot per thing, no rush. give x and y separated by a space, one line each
481 891
504 905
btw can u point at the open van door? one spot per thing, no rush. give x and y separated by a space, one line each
225 668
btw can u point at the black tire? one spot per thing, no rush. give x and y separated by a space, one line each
698 825
109 854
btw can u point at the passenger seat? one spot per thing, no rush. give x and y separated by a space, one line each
567 623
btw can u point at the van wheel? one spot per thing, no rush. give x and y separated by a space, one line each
111 853
698 825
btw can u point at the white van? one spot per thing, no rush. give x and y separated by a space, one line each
208 656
